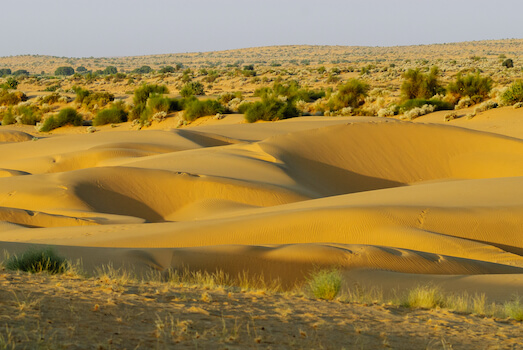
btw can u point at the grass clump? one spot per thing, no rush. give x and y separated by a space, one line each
195 109
514 308
113 115
11 98
351 94
64 117
325 284
425 297
514 94
193 88
38 260
270 110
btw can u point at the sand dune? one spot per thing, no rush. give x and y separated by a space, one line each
279 199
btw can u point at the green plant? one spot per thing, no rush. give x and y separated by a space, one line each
167 69
5 71
51 98
191 89
195 109
420 85
29 115
351 94
473 85
325 284
426 297
508 63
143 70
110 70
513 94
111 115
11 98
10 83
270 109
38 260
142 93
514 308
8 117
419 102
64 71
64 117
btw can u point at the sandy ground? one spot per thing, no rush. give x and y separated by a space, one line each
392 204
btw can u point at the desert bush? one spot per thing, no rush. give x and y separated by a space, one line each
419 85
109 70
417 112
142 93
5 71
426 297
513 94
65 116
438 105
50 99
325 284
194 109
38 260
514 308
351 94
158 103
143 70
8 117
20 72
473 85
192 88
167 69
508 63
114 115
11 98
64 71
81 69
450 116
485 106
270 110
10 83
28 115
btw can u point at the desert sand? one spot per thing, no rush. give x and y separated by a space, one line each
402 201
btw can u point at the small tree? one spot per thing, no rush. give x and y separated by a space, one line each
110 70
5 71
508 63
64 71
419 85
81 69
10 83
351 94
473 85
192 88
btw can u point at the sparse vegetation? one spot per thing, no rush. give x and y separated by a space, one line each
115 114
474 86
513 94
67 116
194 108
38 260
192 88
325 284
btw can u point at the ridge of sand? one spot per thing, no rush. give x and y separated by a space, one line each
279 198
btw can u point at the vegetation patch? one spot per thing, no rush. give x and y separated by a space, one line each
38 260
65 116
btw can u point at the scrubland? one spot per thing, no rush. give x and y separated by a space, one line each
279 197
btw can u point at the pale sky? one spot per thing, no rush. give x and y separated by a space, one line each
103 28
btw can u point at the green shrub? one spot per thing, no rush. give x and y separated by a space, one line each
508 63
64 71
113 115
167 69
137 111
38 260
8 117
81 93
91 99
514 93
29 115
514 308
473 85
193 88
5 71
270 110
109 70
419 102
419 85
143 70
81 69
64 117
195 109
11 98
51 98
351 94
142 93
325 284
11 83
158 103
20 72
